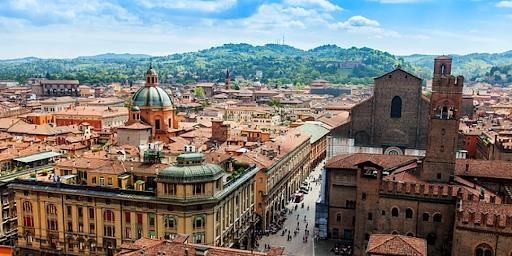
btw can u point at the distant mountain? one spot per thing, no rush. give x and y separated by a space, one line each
279 64
116 56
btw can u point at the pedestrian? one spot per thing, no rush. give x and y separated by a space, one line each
297 216
306 225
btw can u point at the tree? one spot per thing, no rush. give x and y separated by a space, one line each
199 92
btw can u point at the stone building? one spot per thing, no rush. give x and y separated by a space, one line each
284 165
56 88
427 197
395 118
92 206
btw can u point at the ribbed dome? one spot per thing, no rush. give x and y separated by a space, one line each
190 168
151 96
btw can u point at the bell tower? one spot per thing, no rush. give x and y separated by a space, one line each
227 81
151 76
439 162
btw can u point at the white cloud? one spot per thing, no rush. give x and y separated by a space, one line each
323 4
504 4
355 22
197 5
363 25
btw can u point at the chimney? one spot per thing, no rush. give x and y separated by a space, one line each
201 251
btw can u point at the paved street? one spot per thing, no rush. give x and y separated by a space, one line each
296 246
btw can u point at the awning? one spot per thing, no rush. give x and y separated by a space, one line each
37 157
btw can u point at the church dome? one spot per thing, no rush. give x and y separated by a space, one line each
190 168
151 96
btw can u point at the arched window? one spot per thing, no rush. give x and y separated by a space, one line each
410 234
394 232
338 217
426 216
394 212
170 222
443 69
370 216
396 107
484 250
51 209
198 222
437 217
408 213
27 207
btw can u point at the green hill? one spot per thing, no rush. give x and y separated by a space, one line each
279 64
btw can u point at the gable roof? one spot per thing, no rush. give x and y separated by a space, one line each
387 244
398 69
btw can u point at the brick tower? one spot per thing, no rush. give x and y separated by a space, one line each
439 162
227 81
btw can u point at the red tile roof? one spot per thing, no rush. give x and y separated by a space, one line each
484 168
396 245
179 247
387 161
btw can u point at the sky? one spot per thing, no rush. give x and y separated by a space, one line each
71 28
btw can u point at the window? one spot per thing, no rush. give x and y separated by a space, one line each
363 196
396 107
80 212
102 181
151 218
91 213
27 207
198 222
484 250
139 218
394 233
370 216
127 232
408 213
198 189
157 124
169 222
94 180
410 234
68 210
109 231
383 213
110 181
394 212
437 217
127 217
198 238
170 189
108 216
426 217
51 209
28 221
91 228
366 236
338 217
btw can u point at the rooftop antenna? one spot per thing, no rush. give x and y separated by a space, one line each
283 38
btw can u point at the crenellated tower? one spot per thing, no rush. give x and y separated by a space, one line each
445 102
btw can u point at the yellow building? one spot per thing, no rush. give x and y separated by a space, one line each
120 203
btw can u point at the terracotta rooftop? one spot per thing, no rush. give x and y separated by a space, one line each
396 245
179 247
498 169
387 161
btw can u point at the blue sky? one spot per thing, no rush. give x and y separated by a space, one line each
70 28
